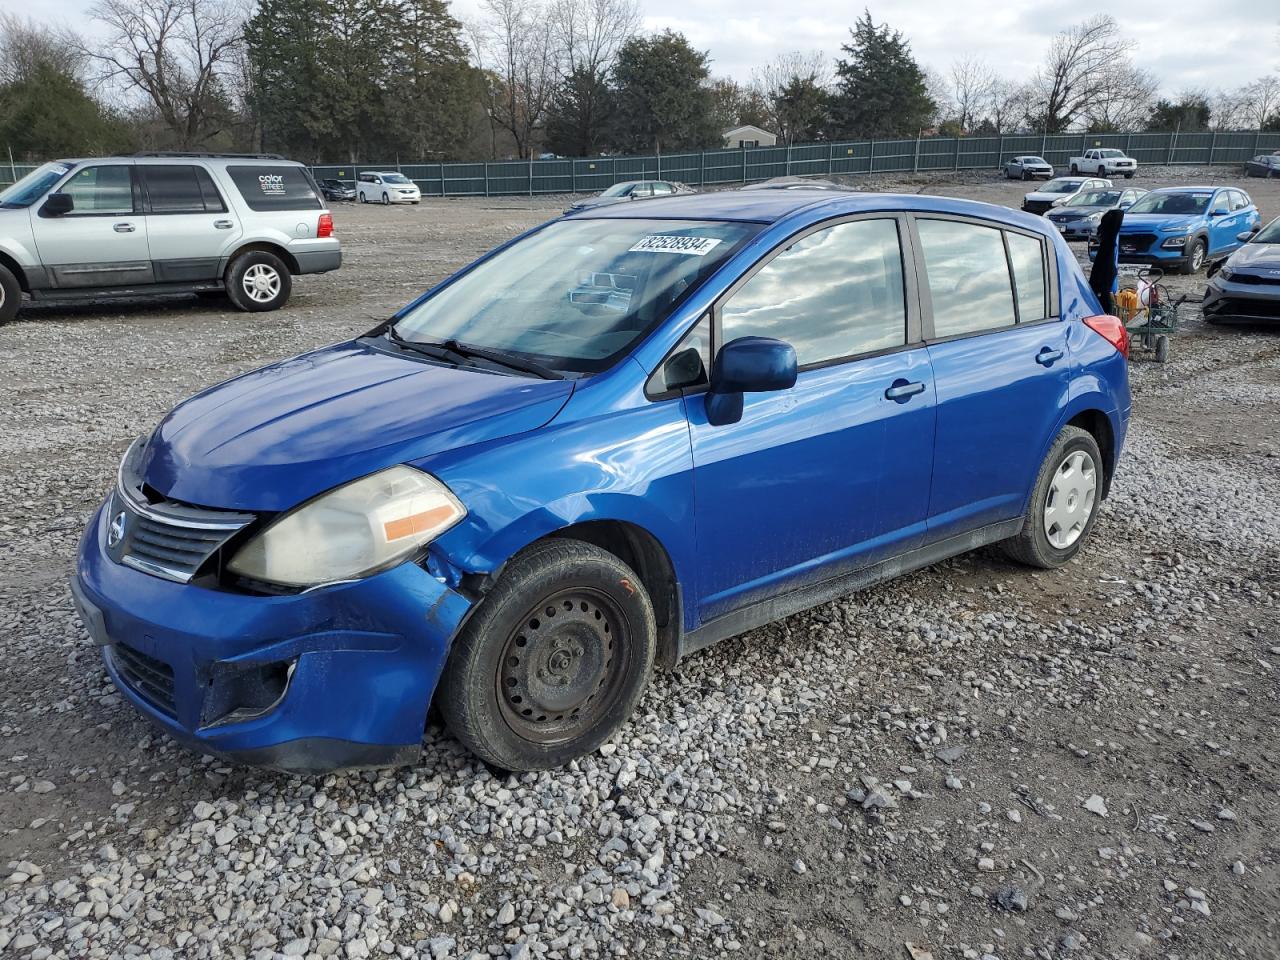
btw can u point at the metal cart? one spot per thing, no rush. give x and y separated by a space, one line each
1149 312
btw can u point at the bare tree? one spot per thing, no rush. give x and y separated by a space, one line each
972 84
1009 105
27 46
1132 93
794 89
1260 101
1083 71
174 54
515 47
1230 109
589 33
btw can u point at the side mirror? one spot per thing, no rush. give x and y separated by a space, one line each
748 365
57 205
1217 213
1247 235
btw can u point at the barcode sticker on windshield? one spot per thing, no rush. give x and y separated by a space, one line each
673 243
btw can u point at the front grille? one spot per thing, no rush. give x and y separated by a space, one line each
1136 242
164 537
146 676
1037 206
1254 280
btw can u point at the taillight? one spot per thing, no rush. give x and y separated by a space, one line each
325 227
1110 329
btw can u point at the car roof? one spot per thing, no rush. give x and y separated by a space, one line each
770 206
1189 189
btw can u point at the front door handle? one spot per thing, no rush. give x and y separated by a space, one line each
1047 357
123 228
223 224
903 390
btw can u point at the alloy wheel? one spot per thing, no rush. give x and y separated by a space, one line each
261 283
1072 494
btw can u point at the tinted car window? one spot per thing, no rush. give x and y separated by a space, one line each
180 189
834 293
968 277
275 188
1027 256
661 188
1220 203
1238 200
107 189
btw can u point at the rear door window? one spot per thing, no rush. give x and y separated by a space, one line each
969 280
180 189
275 187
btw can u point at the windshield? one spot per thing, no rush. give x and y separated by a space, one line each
1112 153
1185 204
1061 186
618 190
33 186
1036 160
1094 198
395 178
578 293
1268 234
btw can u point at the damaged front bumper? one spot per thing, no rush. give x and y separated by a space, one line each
335 677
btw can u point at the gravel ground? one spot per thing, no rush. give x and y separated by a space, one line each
976 761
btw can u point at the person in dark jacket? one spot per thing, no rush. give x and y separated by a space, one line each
1105 275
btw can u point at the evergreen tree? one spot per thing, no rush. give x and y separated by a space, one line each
881 90
664 102
47 113
580 117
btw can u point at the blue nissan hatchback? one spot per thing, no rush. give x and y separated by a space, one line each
618 438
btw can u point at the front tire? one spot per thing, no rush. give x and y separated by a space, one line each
1195 258
1064 502
553 661
10 295
258 281
385 199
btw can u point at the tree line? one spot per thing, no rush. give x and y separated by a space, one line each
379 80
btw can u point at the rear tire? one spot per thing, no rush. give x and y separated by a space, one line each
553 661
1075 169
10 295
1064 502
258 281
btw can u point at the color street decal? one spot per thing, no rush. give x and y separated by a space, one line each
673 243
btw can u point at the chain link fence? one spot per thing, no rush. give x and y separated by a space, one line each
715 167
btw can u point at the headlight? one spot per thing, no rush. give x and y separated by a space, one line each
1226 273
1094 218
352 531
1178 242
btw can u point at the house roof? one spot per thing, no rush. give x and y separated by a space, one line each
748 128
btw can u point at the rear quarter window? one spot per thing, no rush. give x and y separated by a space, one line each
275 188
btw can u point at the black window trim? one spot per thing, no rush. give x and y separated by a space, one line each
134 190
145 190
1048 260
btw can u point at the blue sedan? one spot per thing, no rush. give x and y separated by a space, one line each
1181 228
618 438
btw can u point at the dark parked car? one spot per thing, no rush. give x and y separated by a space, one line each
630 190
1247 286
1263 165
1079 217
624 436
336 190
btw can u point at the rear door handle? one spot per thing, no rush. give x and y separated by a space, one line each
1048 357
903 390
123 228
223 224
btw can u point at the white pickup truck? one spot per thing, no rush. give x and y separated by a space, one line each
1105 163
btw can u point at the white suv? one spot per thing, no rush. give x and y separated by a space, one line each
386 186
163 223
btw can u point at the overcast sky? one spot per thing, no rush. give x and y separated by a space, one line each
1186 43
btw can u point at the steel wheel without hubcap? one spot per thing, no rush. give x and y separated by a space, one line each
261 283
562 667
1069 505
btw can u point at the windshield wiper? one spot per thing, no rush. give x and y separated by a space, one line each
441 349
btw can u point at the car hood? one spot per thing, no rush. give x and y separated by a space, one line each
1260 256
590 202
270 439
1042 197
1075 212
1158 221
